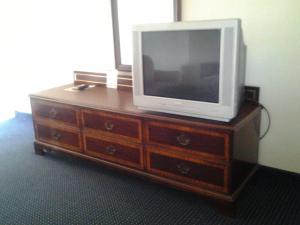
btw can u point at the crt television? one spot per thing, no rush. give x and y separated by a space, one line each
189 68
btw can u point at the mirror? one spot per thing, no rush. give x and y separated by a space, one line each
127 13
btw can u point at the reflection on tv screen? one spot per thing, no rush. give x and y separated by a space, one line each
182 64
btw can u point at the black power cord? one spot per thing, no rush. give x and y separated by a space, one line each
269 121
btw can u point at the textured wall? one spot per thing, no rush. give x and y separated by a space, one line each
272 35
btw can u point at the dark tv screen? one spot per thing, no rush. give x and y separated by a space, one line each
182 64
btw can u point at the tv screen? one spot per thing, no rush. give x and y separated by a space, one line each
192 68
182 64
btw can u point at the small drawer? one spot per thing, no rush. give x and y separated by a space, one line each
55 111
188 139
129 154
187 170
114 125
61 137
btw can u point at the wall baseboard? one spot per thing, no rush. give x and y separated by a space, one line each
276 171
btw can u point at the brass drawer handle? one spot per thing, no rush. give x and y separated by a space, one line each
53 113
183 169
111 150
56 136
183 140
109 125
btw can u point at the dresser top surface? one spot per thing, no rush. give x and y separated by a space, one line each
121 101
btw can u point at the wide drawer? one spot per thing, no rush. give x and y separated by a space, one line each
112 124
188 170
55 111
62 137
191 140
129 154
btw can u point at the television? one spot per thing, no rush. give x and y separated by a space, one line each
189 68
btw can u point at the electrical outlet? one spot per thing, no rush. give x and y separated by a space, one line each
252 94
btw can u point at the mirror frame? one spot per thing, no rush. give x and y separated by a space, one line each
116 34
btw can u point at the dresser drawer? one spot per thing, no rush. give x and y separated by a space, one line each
187 170
129 154
55 111
113 125
188 139
62 137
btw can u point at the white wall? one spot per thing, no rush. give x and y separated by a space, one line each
42 42
272 35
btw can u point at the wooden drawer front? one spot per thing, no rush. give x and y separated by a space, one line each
187 170
197 141
55 111
113 124
59 136
129 154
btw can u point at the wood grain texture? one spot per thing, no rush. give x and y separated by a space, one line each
112 124
210 158
54 111
185 168
155 178
124 81
57 136
82 77
245 155
121 101
125 153
192 140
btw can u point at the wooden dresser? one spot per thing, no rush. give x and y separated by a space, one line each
210 158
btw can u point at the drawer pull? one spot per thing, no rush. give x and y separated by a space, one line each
111 150
183 140
109 125
52 113
183 169
56 136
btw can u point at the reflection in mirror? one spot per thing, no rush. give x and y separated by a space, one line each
126 14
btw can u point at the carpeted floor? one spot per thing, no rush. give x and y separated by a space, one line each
60 189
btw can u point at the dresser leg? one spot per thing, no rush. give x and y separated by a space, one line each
38 149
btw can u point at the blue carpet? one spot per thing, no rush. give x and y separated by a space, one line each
61 189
